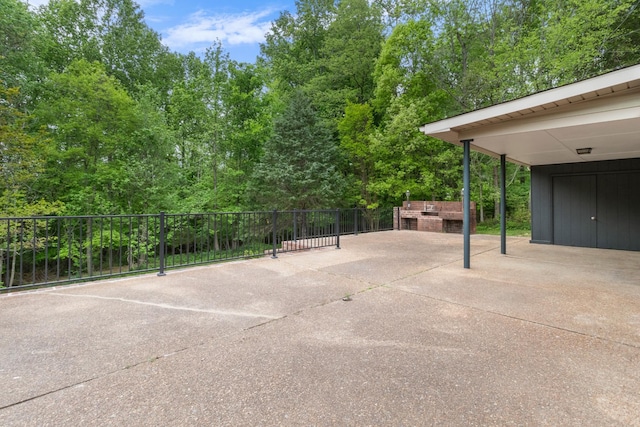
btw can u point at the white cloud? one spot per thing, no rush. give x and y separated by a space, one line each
230 29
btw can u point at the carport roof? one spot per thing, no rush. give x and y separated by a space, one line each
601 113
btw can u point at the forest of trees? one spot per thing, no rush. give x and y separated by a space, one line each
97 116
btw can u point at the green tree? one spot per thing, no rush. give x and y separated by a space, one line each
20 66
248 117
197 114
21 159
356 129
293 46
575 39
21 162
112 32
299 166
406 159
91 120
150 168
405 71
347 57
396 12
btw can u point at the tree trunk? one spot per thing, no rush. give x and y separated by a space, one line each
13 266
216 244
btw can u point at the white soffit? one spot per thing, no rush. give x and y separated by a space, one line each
602 113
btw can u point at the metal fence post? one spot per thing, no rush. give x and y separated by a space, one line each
355 220
295 225
275 233
337 228
161 248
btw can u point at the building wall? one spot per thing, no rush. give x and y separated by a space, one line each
615 197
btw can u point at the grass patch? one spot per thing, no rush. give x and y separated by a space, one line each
517 229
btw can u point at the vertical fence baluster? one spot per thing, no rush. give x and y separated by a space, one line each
275 238
147 242
295 225
337 228
208 234
80 251
110 245
120 246
243 234
204 254
21 252
161 248
6 281
355 221
216 243
130 246
58 221
100 260
46 250
70 244
33 249
90 247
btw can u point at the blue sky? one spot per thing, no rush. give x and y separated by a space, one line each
193 25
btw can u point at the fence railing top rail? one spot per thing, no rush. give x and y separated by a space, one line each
46 217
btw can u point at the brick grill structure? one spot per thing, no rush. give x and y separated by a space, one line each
442 217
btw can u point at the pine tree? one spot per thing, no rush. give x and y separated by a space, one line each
299 166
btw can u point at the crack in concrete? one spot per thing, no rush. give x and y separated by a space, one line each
533 322
173 307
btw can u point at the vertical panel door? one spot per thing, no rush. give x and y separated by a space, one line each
574 211
618 214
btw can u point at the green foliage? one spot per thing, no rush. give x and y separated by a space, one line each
90 119
97 116
107 152
112 32
517 228
298 169
21 162
19 35
293 46
347 57
356 129
21 236
406 159
118 124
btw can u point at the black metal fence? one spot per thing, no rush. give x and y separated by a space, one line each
47 251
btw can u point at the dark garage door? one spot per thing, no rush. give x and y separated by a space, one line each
599 211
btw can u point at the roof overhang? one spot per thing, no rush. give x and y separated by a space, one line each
601 113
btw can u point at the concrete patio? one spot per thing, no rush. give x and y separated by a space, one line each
546 335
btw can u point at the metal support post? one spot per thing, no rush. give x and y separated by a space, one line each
503 204
466 202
